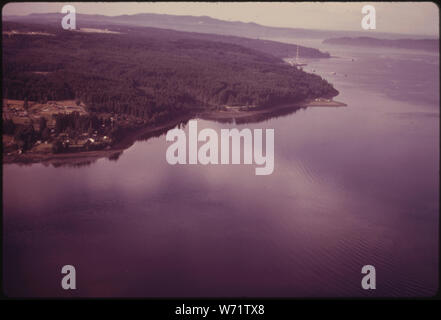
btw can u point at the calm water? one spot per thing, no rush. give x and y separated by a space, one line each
351 186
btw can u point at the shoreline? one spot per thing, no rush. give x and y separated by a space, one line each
135 134
324 103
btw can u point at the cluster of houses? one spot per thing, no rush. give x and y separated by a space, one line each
85 142
13 111
53 107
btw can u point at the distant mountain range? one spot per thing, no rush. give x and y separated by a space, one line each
201 24
186 25
419 44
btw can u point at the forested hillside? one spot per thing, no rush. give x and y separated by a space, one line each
146 72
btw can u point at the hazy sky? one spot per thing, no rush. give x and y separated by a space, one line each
397 17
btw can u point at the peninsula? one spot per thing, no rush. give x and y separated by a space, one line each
71 92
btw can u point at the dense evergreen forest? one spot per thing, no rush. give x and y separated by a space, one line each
146 72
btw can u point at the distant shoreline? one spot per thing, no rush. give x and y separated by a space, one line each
408 43
73 158
324 103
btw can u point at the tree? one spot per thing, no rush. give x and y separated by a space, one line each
8 126
57 146
45 135
42 124
25 104
25 136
